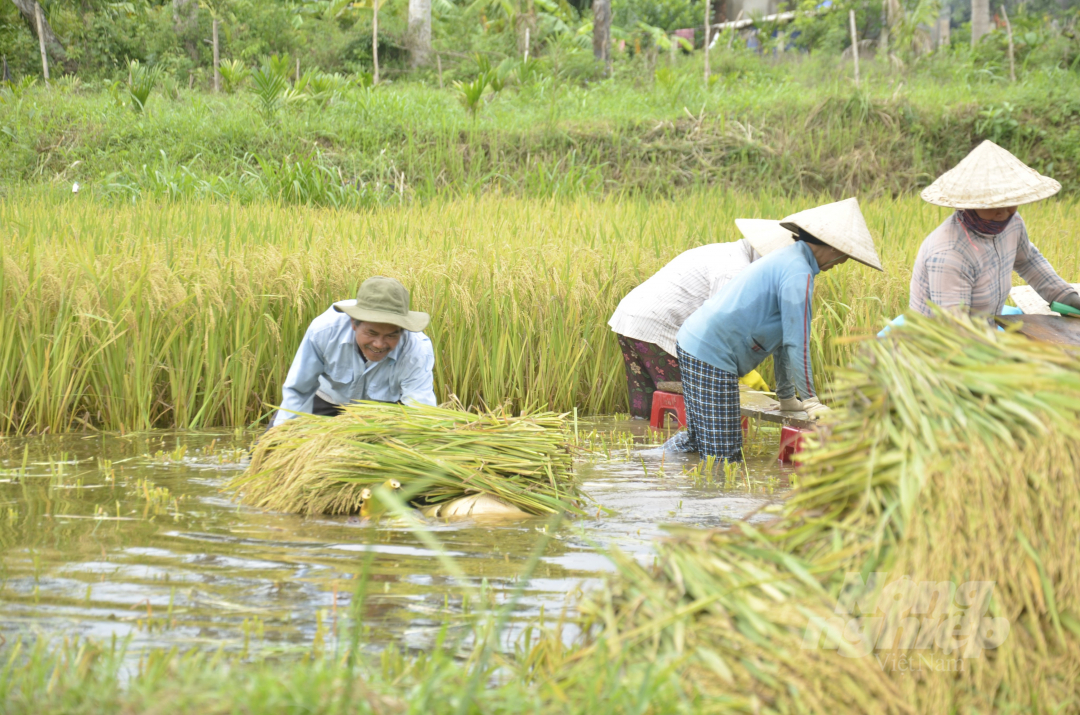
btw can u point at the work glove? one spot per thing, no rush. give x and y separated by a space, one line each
791 404
815 410
754 381
1072 300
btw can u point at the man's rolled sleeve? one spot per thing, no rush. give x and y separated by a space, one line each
302 381
417 374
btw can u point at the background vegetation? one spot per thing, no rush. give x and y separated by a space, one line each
298 120
792 128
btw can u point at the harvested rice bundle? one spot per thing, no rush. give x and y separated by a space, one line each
955 459
321 465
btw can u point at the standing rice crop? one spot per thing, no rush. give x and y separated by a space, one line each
955 461
321 465
187 315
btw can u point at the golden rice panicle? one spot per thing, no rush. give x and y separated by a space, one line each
955 459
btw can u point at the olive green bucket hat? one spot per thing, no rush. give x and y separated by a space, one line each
383 300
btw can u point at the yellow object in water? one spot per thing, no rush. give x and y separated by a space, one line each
367 503
372 507
754 381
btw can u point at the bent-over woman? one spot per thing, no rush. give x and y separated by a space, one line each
648 318
765 311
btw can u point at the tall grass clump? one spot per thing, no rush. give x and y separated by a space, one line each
188 314
955 460
320 465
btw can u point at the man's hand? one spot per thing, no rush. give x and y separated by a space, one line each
1071 299
791 404
815 410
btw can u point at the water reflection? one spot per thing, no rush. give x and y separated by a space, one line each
131 535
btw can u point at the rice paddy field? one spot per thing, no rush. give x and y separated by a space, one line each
142 347
186 315
158 268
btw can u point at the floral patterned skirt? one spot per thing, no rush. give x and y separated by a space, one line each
646 364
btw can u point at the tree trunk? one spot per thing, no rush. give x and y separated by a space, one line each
186 25
708 33
980 19
419 32
943 31
886 23
601 33
854 43
39 24
375 42
217 60
1012 56
28 8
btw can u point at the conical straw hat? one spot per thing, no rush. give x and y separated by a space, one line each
841 225
989 178
764 234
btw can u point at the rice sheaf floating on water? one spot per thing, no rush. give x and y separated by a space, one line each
953 472
322 465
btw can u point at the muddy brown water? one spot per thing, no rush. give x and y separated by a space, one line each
132 536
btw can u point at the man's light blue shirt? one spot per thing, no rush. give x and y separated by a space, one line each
329 362
766 310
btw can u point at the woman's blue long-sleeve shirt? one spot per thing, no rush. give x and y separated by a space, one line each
764 311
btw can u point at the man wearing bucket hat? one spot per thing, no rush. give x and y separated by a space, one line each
648 318
370 348
765 311
967 262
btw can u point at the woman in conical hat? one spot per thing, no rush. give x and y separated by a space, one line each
647 319
765 310
967 262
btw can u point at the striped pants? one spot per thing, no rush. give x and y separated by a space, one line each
713 421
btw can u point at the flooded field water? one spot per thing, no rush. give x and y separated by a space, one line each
132 536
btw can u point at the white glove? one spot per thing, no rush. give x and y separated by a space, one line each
791 404
815 410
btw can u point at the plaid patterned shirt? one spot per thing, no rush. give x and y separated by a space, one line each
960 267
654 311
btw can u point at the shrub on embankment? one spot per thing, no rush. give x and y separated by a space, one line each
188 314
793 127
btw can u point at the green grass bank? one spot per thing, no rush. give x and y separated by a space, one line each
789 126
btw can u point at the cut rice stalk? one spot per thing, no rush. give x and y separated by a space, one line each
320 465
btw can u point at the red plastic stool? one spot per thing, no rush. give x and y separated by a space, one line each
791 443
664 402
